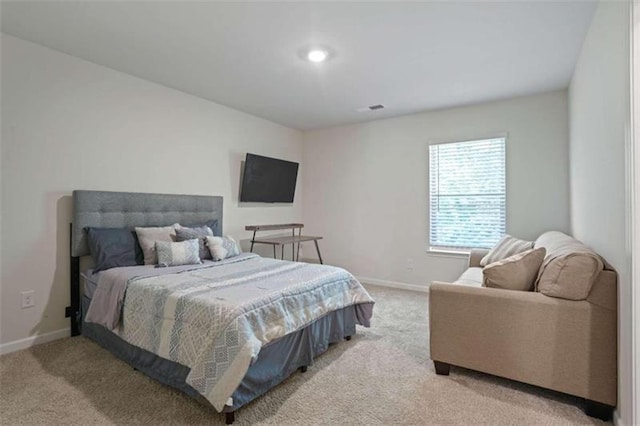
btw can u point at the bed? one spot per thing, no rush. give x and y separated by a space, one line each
223 332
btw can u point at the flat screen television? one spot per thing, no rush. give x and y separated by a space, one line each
268 180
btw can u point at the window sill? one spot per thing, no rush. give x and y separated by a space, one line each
438 252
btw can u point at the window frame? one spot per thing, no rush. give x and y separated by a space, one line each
458 252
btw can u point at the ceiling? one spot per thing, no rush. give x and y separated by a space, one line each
409 57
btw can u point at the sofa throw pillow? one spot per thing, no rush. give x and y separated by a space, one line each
113 247
507 246
223 247
176 254
569 268
183 234
517 272
148 236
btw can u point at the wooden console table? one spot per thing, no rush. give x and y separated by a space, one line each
283 241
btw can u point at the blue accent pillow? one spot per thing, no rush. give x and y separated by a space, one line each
213 224
114 247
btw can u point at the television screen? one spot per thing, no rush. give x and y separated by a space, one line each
268 180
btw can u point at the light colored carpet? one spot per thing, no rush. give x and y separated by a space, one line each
382 376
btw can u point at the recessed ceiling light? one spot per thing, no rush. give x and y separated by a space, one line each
317 55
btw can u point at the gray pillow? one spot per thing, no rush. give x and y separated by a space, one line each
176 254
114 247
200 234
214 225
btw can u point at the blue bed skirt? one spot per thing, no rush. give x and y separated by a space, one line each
274 363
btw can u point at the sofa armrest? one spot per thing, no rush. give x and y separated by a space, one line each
475 256
526 336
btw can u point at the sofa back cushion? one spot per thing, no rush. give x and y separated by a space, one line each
517 272
569 268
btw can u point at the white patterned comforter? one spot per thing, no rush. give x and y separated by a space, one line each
215 318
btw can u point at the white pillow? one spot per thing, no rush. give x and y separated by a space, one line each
147 238
507 246
223 247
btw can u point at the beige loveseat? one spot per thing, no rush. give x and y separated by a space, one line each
566 345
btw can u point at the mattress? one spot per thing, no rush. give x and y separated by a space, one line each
89 282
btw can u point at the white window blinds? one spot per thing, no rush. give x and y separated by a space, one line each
467 194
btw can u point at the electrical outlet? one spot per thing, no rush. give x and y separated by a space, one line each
410 264
27 299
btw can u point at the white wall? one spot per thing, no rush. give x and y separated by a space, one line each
70 124
366 184
635 167
599 117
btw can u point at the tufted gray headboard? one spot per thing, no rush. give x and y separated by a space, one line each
127 209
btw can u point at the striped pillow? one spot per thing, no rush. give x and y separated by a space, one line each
507 246
175 254
223 247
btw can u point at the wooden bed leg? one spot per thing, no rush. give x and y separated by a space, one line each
347 338
442 368
303 369
229 417
598 410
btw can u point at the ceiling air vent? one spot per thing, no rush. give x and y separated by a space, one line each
371 108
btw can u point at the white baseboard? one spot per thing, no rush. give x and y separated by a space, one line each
18 345
394 284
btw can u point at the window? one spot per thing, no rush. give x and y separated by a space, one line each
467 194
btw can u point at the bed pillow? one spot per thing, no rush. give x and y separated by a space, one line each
507 246
114 247
517 272
183 234
223 247
147 238
214 225
176 254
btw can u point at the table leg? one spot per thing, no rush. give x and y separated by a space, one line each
298 255
252 240
293 246
318 250
275 256
282 252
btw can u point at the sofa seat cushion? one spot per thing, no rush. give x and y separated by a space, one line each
569 268
517 272
471 277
